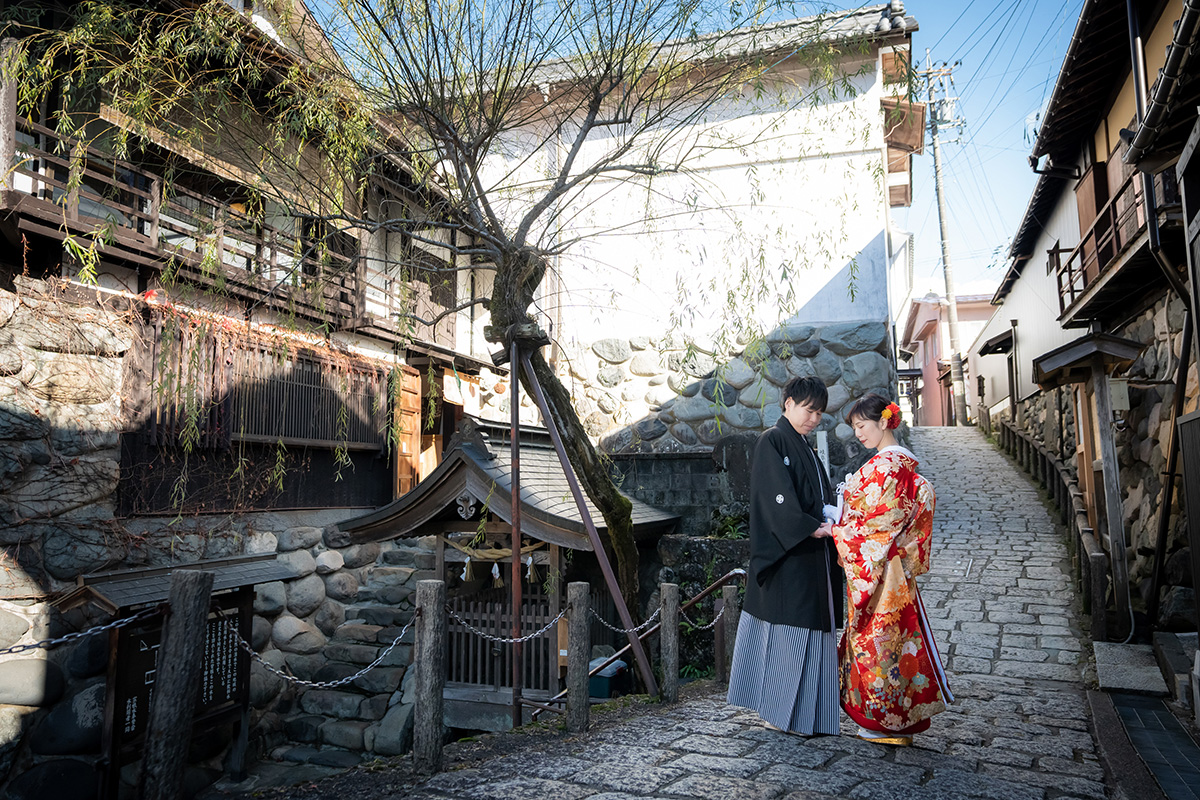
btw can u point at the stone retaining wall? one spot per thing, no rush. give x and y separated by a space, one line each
61 395
661 396
1142 439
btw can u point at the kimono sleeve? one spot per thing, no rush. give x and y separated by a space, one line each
875 516
778 523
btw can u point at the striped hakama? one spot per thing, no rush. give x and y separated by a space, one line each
789 675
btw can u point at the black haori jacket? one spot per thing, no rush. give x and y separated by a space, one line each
792 574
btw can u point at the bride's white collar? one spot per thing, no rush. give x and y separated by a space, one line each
900 449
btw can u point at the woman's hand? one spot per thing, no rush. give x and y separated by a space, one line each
824 531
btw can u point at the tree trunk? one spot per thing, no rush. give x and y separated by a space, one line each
517 277
596 480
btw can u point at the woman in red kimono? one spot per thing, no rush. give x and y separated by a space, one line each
892 679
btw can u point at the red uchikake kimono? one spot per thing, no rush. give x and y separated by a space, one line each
891 675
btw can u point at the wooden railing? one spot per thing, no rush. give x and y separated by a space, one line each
1118 224
283 260
1089 562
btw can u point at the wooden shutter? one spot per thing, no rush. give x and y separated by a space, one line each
408 428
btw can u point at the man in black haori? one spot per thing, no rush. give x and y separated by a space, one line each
785 663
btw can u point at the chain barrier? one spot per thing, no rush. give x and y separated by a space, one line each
700 627
315 684
46 644
638 629
501 639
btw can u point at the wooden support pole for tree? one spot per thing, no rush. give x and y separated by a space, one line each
430 664
668 640
729 593
180 665
720 673
579 647
8 112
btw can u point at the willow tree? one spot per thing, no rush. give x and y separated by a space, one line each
453 96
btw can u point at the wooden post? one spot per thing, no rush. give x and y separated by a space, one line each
668 641
180 662
8 113
1112 498
430 663
579 647
720 673
729 622
514 398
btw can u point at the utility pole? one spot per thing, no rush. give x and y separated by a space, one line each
940 114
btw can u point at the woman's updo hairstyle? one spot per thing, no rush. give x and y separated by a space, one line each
875 407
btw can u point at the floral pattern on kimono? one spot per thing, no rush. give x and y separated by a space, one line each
889 682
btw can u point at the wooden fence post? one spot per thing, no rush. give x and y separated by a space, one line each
668 640
179 669
430 663
729 622
579 648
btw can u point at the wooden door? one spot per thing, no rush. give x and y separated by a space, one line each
408 428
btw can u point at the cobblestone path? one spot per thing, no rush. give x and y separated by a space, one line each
1000 597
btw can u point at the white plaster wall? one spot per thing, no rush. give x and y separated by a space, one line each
1033 302
706 250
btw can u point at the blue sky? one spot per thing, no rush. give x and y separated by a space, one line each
1011 54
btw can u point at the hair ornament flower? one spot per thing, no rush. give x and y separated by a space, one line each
891 415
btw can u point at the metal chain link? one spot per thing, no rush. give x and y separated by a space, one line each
315 684
46 644
700 627
638 629
500 639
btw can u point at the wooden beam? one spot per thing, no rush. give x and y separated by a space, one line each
1112 499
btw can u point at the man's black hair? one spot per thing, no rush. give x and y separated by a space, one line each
810 391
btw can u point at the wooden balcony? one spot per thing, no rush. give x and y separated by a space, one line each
1108 265
265 258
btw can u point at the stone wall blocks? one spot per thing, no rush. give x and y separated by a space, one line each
597 423
373 708
265 685
865 372
30 682
19 423
759 394
646 363
697 364
328 703
341 585
848 338
11 359
610 376
775 372
260 633
381 680
71 378
330 616
827 366
614 351
839 396
300 562
736 373
694 409
70 550
88 658
740 416
305 729
329 561
360 555
334 537
305 667
718 391
270 598
292 635
50 490
8 306
73 726
304 596
395 731
299 538
344 733
684 434
649 429
60 328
